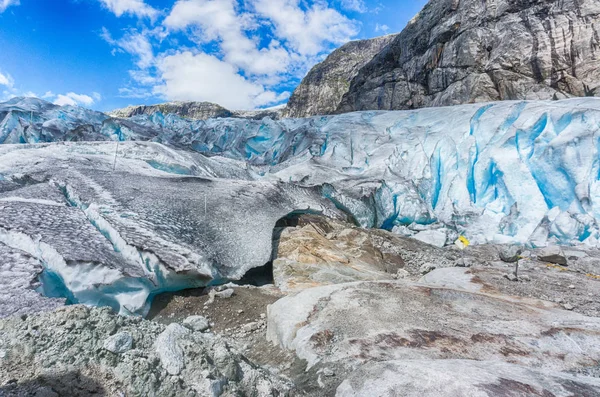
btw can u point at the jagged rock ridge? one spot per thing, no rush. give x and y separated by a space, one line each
194 110
321 91
467 51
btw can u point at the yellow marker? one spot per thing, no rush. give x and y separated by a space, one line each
462 242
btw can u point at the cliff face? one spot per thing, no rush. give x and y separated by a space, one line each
463 51
321 91
192 110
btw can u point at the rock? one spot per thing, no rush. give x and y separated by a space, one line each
227 293
450 378
451 277
251 327
568 306
70 356
427 267
571 286
574 255
524 277
328 372
553 254
469 51
196 323
168 349
402 274
403 320
511 277
192 110
119 343
322 251
437 238
510 254
321 91
462 262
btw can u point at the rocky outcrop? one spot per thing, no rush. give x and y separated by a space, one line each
78 351
463 51
196 111
321 91
192 110
321 251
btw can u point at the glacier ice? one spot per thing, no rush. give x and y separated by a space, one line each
522 172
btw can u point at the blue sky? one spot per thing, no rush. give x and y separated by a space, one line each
242 54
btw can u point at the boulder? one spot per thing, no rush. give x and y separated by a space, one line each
437 238
196 323
119 343
553 254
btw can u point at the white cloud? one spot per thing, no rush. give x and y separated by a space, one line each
6 80
134 43
381 28
74 99
354 5
218 20
4 4
203 77
307 32
132 7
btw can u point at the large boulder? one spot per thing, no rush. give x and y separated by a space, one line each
466 51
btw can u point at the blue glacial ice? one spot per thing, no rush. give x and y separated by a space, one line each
507 172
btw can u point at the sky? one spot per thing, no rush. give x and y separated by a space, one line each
241 54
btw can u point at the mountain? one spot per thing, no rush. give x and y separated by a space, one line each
192 110
195 111
321 91
466 51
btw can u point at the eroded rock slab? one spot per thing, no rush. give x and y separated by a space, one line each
379 321
451 378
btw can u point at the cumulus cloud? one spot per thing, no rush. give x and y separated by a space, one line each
219 20
131 7
236 52
306 31
74 99
203 77
4 4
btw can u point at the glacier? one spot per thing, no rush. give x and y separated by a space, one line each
158 202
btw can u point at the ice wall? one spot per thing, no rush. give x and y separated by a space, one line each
523 172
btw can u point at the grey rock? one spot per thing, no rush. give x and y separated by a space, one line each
450 378
192 110
553 254
71 339
510 254
427 268
196 323
227 293
118 343
469 51
436 238
511 277
168 349
321 91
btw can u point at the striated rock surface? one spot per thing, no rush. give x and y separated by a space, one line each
465 51
321 91
320 251
191 110
451 378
